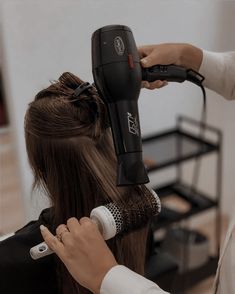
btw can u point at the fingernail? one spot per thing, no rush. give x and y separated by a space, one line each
42 228
143 61
165 83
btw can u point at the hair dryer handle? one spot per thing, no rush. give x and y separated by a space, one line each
171 73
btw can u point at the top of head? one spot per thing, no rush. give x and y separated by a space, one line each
57 113
115 63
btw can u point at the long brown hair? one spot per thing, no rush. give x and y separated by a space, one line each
71 153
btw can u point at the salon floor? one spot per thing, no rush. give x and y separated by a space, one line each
11 212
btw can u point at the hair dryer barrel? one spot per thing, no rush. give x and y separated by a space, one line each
117 75
124 119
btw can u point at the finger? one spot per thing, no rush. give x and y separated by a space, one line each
157 85
66 238
85 220
73 224
154 85
149 60
89 225
165 83
63 234
144 84
52 241
144 51
60 229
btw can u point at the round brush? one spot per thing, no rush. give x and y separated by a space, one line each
116 218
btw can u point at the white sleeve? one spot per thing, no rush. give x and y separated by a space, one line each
219 72
122 280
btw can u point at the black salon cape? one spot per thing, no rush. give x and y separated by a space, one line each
19 273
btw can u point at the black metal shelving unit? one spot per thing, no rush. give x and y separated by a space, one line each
175 147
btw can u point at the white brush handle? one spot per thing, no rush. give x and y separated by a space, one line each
99 215
40 250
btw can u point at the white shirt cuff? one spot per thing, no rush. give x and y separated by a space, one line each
218 68
122 280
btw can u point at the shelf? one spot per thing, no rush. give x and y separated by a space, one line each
180 201
198 203
166 269
192 277
182 281
172 147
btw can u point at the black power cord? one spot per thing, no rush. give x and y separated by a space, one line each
197 79
201 136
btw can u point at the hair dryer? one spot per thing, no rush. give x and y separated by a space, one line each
117 75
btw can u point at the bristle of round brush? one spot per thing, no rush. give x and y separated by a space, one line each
120 218
137 212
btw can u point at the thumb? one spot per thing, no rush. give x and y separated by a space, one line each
149 60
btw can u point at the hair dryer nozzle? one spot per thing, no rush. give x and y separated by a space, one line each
131 170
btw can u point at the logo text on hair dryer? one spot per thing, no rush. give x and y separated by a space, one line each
133 125
119 45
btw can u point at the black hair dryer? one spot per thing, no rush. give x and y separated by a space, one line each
117 75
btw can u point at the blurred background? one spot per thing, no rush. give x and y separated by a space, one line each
39 40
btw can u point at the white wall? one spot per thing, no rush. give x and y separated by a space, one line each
41 39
